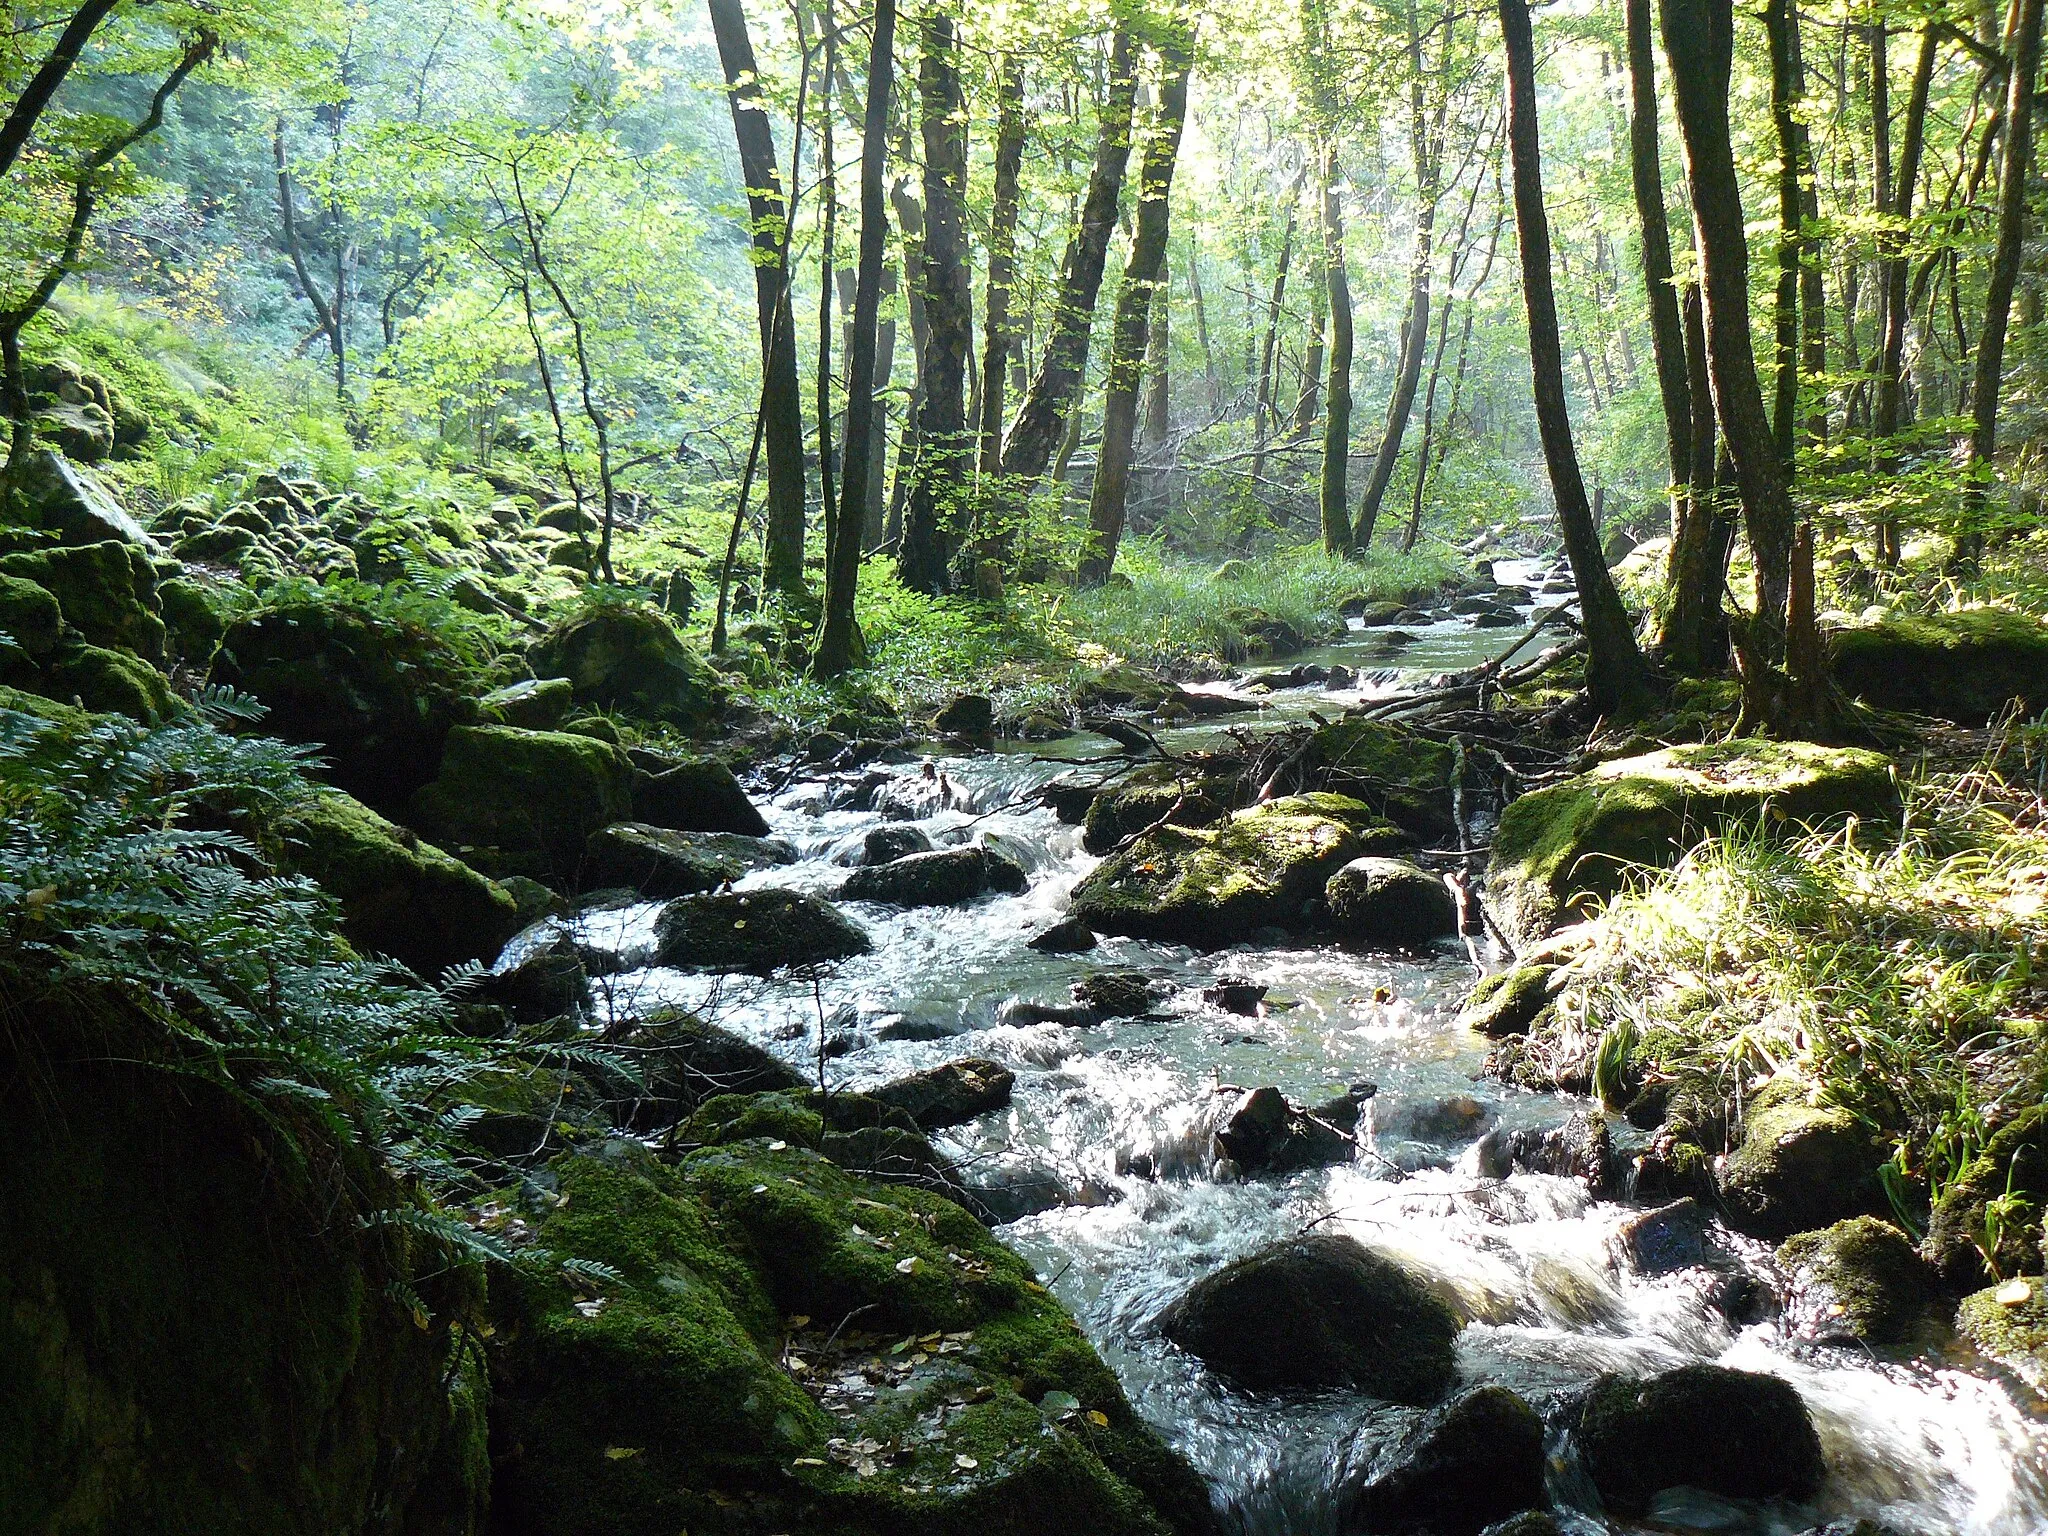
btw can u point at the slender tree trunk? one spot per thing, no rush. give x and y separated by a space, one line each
1886 420
327 316
1202 331
999 331
1432 442
2023 49
1667 331
931 519
1041 421
782 430
872 524
1699 39
1143 274
1264 417
1688 644
1616 676
828 239
1157 428
1781 24
910 219
1306 404
1336 513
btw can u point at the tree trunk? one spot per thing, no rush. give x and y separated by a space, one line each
1886 420
1667 332
1264 416
999 332
1687 645
2023 49
1202 331
1158 417
932 517
1781 24
1306 404
782 430
1616 676
828 239
1699 39
872 523
1336 513
1142 282
910 219
1042 420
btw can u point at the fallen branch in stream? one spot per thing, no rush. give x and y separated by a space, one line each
1475 684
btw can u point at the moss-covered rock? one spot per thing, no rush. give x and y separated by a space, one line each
1799 1166
399 896
1562 848
108 681
659 863
524 802
1155 792
760 930
1213 886
684 1061
534 703
1737 1433
1318 1313
1965 666
1508 1002
1976 1209
198 1332
1390 903
944 877
1404 776
374 692
627 656
29 616
193 621
1477 1459
717 1386
1859 1279
2009 1324
693 795
73 503
951 1093
107 592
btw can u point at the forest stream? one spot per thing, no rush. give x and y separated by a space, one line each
1118 1117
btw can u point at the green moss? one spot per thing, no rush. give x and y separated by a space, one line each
1996 1203
524 802
1157 790
194 622
109 681
627 656
1403 776
1873 1282
2015 1334
1508 1002
106 590
1964 666
1799 1166
29 616
1564 848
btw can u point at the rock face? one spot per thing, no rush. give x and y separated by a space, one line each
1799 1166
71 501
1559 847
376 695
754 931
685 1062
945 877
1859 1280
1390 903
949 1094
627 656
537 704
1317 1313
2015 1159
1475 1460
1701 1426
659 863
196 1332
884 845
399 896
1212 886
698 795
516 802
667 1405
1965 666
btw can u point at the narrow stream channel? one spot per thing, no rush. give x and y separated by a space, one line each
1119 1115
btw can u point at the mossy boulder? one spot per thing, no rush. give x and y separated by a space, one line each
659 863
399 896
99 678
1404 776
1476 1459
29 616
2014 1162
693 795
951 1093
1566 847
1213 886
1390 903
1965 666
759 930
2009 1324
198 1328
376 693
1799 1166
1319 1313
944 877
1736 1433
1860 1279
707 1387
685 1061
107 592
1156 792
627 656
194 622
524 802
534 703
1509 1002
73 503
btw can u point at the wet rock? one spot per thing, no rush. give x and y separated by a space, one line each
1116 994
1671 1237
1265 1134
1235 996
536 704
759 931
1069 801
2009 1324
2014 1161
1374 615
1799 1166
1456 1117
1021 1013
1966 667
1154 793
1508 1002
945 877
1403 776
1344 1111
1474 1460
1472 607
1340 680
1318 1313
1390 903
1213 886
524 802
1068 936
74 503
399 896
658 863
1859 1280
697 795
970 714
950 1094
1011 1194
540 976
824 746
1533 1522
627 656
1581 1148
885 845
1562 847
1736 1433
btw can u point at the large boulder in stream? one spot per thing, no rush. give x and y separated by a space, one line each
1214 886
516 802
1401 774
2009 1324
627 656
1159 792
1859 1280
1967 667
1799 1166
1319 1313
659 863
785 1345
1736 1433
944 877
758 930
692 795
951 1093
1390 904
1562 848
1476 1459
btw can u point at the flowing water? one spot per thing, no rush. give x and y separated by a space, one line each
1119 1115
